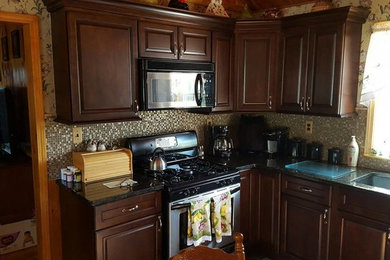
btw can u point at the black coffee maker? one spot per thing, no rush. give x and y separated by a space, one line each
222 143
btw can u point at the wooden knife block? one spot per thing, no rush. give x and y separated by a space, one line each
97 166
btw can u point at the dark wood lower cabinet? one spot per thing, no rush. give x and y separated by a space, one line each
304 229
130 228
361 238
139 239
260 191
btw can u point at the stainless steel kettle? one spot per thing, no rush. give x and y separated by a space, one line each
157 161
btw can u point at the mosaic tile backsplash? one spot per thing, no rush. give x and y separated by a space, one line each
330 131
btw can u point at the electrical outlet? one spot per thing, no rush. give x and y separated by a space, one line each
209 121
309 127
77 135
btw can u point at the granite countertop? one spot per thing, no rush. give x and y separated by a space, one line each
96 193
263 161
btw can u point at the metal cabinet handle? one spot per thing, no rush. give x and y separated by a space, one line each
136 106
305 189
302 102
270 102
159 224
308 104
175 49
325 217
388 237
130 209
181 50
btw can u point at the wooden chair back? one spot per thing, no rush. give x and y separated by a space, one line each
207 253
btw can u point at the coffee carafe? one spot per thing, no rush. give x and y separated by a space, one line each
222 143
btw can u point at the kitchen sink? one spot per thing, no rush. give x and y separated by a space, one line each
375 179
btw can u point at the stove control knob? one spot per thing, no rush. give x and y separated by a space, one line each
223 183
230 181
186 193
194 191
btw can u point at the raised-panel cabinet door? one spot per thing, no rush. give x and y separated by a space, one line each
102 57
264 215
361 238
139 239
304 229
325 54
194 44
223 60
294 67
256 71
158 40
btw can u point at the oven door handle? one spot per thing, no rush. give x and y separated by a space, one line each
235 190
181 206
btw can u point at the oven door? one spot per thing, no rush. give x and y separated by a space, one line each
179 90
178 220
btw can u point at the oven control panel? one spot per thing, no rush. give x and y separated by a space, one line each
199 188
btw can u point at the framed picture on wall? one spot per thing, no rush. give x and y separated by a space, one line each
4 48
15 39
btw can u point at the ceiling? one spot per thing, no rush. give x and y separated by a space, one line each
253 5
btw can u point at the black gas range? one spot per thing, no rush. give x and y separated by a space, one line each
186 174
187 178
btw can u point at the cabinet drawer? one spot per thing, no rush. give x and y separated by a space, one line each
117 212
309 190
363 203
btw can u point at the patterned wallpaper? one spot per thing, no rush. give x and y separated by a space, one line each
330 131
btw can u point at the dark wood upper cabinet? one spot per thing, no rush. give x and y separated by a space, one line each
324 68
320 62
223 60
194 44
256 66
94 62
293 81
159 40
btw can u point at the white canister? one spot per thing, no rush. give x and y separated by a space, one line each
353 152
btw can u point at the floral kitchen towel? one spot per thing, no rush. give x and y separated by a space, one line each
222 216
199 226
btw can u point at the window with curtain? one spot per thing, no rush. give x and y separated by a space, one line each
376 91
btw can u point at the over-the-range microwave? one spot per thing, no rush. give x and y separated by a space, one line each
166 84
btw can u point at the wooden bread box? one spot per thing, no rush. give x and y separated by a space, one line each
97 166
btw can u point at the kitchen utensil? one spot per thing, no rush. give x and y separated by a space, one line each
277 140
314 151
334 155
251 134
223 144
157 161
297 147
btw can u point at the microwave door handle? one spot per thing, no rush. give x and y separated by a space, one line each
198 98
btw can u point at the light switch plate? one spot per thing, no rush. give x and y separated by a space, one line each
309 127
77 135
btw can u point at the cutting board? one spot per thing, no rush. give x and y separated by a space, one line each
321 169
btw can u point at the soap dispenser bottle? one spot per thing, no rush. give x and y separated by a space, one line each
353 152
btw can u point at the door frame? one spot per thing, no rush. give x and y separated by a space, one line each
37 125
